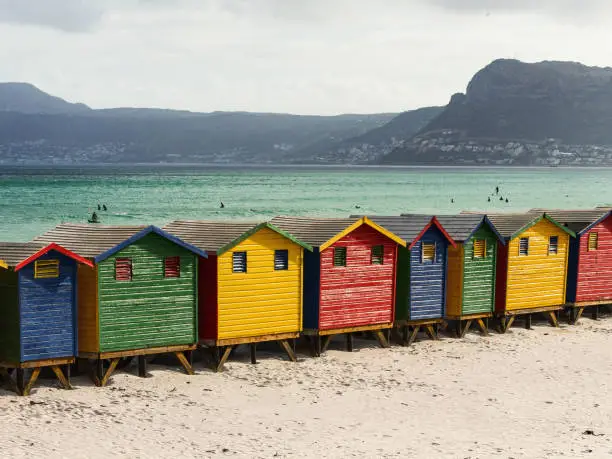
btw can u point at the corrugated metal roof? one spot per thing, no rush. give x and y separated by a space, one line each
313 231
577 220
209 235
460 227
407 226
508 224
88 240
13 253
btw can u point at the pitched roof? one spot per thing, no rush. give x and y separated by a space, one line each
511 225
220 236
578 220
410 227
19 254
314 231
461 227
100 241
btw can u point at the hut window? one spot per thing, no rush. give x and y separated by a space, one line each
553 245
524 247
593 241
378 255
123 269
480 248
239 262
428 252
172 267
46 269
281 260
340 256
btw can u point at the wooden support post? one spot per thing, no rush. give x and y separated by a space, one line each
98 371
405 335
316 346
67 374
326 340
253 348
349 342
553 318
482 324
595 313
142 366
458 329
65 383
528 321
467 326
185 363
223 359
285 345
413 335
20 381
26 390
429 329
109 372
578 314
380 336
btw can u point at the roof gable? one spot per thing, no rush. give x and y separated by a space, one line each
363 221
462 227
261 226
578 220
511 226
411 227
20 254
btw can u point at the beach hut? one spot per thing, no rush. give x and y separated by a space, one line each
349 277
37 311
531 267
470 297
250 284
421 273
589 278
139 298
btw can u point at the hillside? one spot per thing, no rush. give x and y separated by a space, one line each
36 127
519 113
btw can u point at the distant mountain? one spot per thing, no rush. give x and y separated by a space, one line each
519 113
26 98
36 127
374 144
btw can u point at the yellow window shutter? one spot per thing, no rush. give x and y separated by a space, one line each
593 241
480 248
428 251
46 269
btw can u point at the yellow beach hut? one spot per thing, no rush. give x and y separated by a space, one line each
250 286
531 267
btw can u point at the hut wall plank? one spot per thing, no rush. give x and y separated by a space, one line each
207 298
149 310
361 293
87 309
539 279
261 301
48 312
428 280
454 295
595 267
9 316
479 274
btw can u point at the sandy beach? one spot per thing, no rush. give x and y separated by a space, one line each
543 392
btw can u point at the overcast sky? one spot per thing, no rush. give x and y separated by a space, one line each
297 56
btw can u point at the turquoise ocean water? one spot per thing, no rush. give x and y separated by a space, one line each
32 200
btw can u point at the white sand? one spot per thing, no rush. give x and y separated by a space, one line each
523 394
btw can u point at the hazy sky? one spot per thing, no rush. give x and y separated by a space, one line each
298 56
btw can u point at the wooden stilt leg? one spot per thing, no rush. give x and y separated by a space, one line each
65 383
553 318
253 348
578 314
405 336
223 359
19 377
468 324
31 382
142 366
484 329
285 345
185 363
429 329
380 336
109 372
316 346
528 322
458 329
511 320
98 372
595 313
326 340
349 342
67 374
413 335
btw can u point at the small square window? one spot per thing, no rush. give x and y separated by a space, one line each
593 241
553 245
46 269
281 260
524 247
480 248
123 269
172 267
378 255
428 252
239 261
340 256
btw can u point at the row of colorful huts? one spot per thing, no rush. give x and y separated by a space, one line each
106 293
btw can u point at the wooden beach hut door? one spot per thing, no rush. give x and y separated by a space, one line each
428 276
47 308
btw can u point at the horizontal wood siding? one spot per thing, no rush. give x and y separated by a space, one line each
427 279
207 298
261 301
595 267
360 293
454 285
312 292
87 309
48 311
150 310
9 316
537 280
479 274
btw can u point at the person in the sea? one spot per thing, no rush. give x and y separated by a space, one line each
222 206
94 218
103 207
